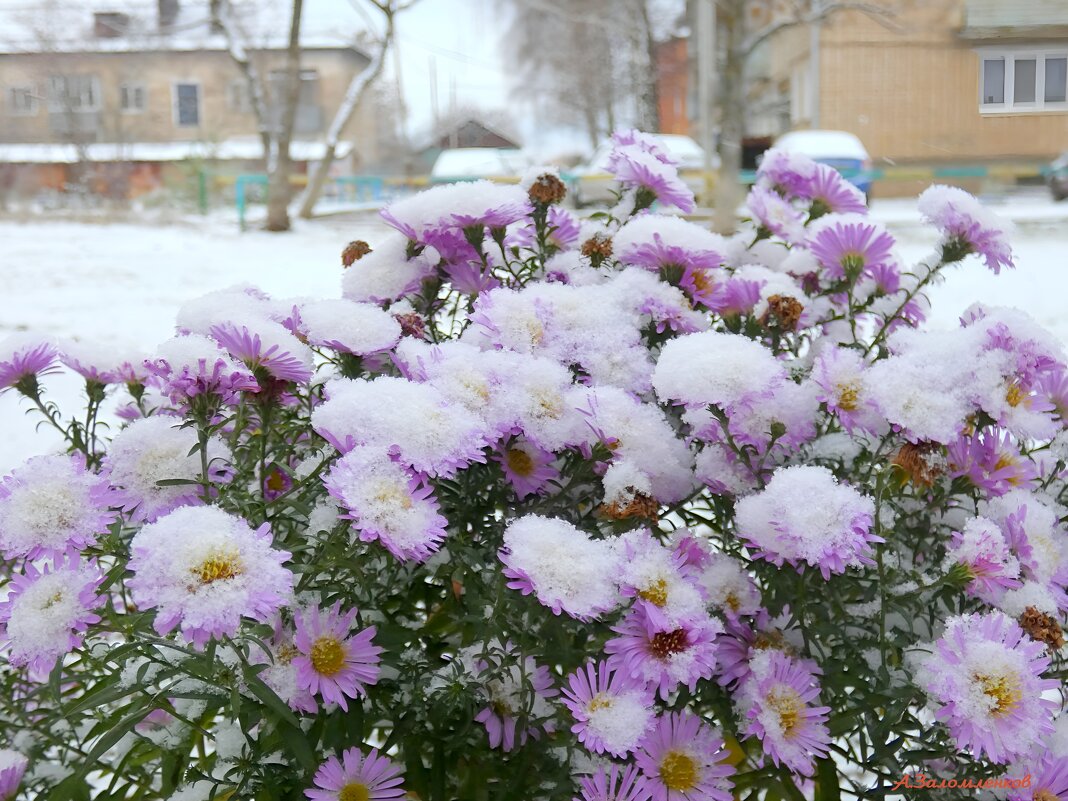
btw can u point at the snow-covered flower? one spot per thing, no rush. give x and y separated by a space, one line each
193 365
981 547
985 676
657 576
100 364
280 674
804 516
841 375
992 461
775 214
48 611
849 246
264 344
460 205
51 504
684 759
967 226
786 172
509 688
779 700
567 570
12 768
727 586
615 783
154 449
358 328
387 502
638 163
204 569
333 662
613 710
664 243
23 355
389 272
664 653
357 777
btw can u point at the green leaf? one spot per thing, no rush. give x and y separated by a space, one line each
827 787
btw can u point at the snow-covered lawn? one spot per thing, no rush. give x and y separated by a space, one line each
120 285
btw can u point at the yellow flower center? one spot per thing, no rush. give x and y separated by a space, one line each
354 791
1001 691
678 771
286 652
656 593
1015 395
218 567
519 462
327 656
599 701
392 493
848 396
787 705
732 602
1044 795
55 599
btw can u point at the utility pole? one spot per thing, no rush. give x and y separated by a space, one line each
706 72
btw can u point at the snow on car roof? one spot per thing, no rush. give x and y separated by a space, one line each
823 144
479 162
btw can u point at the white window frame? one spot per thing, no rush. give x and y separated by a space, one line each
1010 55
133 90
32 103
174 103
56 104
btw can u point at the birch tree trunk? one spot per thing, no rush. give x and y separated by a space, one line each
279 164
730 98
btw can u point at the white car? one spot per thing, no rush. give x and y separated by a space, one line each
465 163
592 184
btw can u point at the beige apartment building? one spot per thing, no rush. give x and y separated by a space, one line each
155 90
939 82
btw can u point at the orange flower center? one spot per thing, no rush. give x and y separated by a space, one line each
327 656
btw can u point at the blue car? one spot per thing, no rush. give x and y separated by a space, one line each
837 149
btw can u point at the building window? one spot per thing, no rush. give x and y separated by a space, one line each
1023 80
132 98
73 93
21 101
187 104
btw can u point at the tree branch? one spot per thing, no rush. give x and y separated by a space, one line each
235 44
880 13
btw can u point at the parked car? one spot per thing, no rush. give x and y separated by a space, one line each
1057 176
837 149
591 183
467 163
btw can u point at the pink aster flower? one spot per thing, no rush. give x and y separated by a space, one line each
333 662
387 502
840 375
637 168
277 352
517 695
772 212
204 570
683 759
779 697
992 461
193 365
22 357
612 710
966 226
12 767
830 192
527 467
357 777
849 246
1049 781
48 611
665 654
562 226
985 675
789 174
615 783
982 548
280 673
51 504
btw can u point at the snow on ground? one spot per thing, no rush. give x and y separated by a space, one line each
120 285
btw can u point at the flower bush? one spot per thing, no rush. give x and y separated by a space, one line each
610 509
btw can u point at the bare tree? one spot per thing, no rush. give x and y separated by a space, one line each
276 138
739 40
353 95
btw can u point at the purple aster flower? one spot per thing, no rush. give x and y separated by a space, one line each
985 675
982 548
23 356
992 461
665 654
804 516
48 611
281 674
204 570
101 365
387 502
469 278
683 759
193 365
51 504
357 777
613 711
645 142
333 662
830 192
562 226
515 693
840 375
12 767
615 783
772 212
636 168
789 174
849 246
1049 781
527 467
467 204
268 346
779 697
966 226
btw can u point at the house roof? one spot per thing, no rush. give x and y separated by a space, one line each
67 26
470 132
997 19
